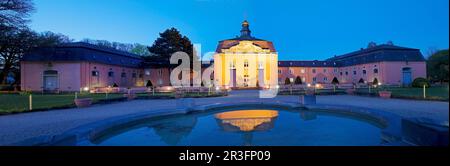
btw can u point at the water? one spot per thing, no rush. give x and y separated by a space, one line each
249 127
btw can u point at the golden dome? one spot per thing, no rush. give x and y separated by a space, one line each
245 23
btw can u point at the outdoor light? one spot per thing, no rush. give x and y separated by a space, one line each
278 86
379 84
86 88
309 85
226 87
217 88
317 85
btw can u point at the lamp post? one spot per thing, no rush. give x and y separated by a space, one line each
424 91
31 102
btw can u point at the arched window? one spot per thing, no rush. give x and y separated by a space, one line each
110 74
375 70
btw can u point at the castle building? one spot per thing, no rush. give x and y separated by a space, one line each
245 61
241 62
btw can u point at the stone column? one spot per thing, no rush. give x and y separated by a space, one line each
232 78
261 77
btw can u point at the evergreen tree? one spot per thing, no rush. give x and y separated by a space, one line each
298 80
335 81
287 81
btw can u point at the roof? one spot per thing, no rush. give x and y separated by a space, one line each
379 53
245 36
84 52
314 63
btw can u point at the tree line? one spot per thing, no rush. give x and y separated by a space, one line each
17 38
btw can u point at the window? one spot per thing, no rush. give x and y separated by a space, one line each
160 72
95 73
336 70
147 72
324 70
134 75
246 63
364 72
141 75
160 82
314 79
291 79
346 73
375 70
111 74
354 72
325 79
290 71
279 71
313 70
340 73
123 74
302 70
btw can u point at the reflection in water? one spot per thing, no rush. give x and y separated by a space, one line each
308 115
172 132
247 121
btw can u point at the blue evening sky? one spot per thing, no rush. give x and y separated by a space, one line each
300 30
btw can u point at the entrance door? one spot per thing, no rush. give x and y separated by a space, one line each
407 76
50 80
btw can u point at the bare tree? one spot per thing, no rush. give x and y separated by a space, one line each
15 13
430 51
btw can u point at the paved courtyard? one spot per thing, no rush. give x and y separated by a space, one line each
18 127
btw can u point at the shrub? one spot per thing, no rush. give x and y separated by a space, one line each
335 81
361 81
115 85
420 82
375 81
149 84
298 80
287 81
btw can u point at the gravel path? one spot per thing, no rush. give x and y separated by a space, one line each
18 127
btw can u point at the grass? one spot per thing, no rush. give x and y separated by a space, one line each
432 93
318 92
16 103
13 103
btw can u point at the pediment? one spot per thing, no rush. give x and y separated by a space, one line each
245 47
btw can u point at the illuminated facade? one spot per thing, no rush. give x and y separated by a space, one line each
245 61
241 62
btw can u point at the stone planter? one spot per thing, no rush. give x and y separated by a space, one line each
307 99
385 94
84 102
179 94
350 91
130 96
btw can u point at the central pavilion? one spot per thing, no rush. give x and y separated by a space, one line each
246 61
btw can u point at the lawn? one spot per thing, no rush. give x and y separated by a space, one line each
15 103
10 103
432 93
318 92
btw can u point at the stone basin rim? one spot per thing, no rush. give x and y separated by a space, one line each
90 131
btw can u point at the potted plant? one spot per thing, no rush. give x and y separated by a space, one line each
129 95
383 93
350 91
82 102
309 97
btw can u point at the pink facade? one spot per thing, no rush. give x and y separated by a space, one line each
394 73
75 76
158 76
